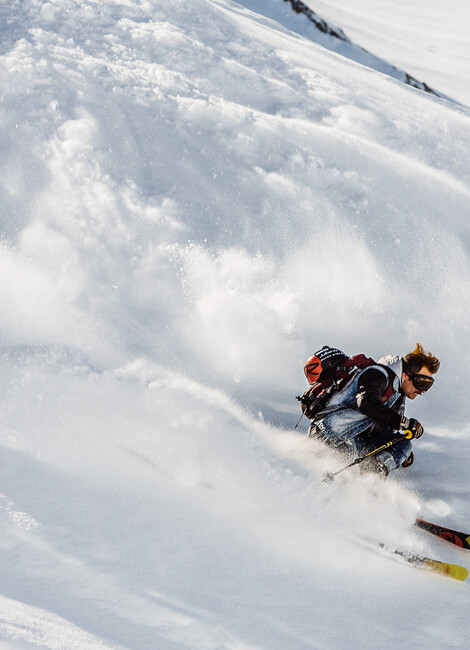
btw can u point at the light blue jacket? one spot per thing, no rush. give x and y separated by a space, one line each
341 424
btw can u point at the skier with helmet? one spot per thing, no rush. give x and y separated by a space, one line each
368 409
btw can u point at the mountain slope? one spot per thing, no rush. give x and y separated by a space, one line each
430 39
193 198
300 18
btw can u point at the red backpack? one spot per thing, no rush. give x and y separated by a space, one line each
328 371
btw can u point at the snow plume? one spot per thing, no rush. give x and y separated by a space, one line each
194 198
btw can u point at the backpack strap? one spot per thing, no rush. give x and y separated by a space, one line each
389 390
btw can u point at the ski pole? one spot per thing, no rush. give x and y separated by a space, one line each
328 477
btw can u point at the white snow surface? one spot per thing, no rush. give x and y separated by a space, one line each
194 198
429 38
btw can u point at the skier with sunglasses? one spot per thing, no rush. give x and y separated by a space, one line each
370 410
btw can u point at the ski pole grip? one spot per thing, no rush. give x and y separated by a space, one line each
408 434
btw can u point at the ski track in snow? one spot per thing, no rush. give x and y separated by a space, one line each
192 199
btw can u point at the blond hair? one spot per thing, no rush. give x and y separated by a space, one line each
419 358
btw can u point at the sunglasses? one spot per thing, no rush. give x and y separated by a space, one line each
421 382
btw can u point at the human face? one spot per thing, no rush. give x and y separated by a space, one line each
408 387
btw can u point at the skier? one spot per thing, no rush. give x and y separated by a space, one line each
370 410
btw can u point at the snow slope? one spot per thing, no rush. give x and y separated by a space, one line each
431 38
192 200
299 17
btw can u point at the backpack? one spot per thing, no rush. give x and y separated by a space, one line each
331 369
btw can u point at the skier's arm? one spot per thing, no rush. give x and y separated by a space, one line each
371 387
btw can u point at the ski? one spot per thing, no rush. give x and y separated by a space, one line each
447 569
444 568
448 534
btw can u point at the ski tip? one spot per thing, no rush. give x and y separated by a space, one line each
463 573
450 570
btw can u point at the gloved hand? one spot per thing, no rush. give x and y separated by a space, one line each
411 428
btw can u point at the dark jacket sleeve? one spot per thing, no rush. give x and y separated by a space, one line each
372 385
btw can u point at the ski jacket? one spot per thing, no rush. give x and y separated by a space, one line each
371 400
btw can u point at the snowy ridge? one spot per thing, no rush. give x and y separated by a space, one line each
331 37
374 62
192 199
301 8
429 40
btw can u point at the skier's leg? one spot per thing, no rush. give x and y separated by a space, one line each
391 458
384 461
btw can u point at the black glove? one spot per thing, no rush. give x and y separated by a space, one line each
411 428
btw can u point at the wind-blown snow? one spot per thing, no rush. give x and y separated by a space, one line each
193 199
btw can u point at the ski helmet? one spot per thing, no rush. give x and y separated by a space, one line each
321 361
